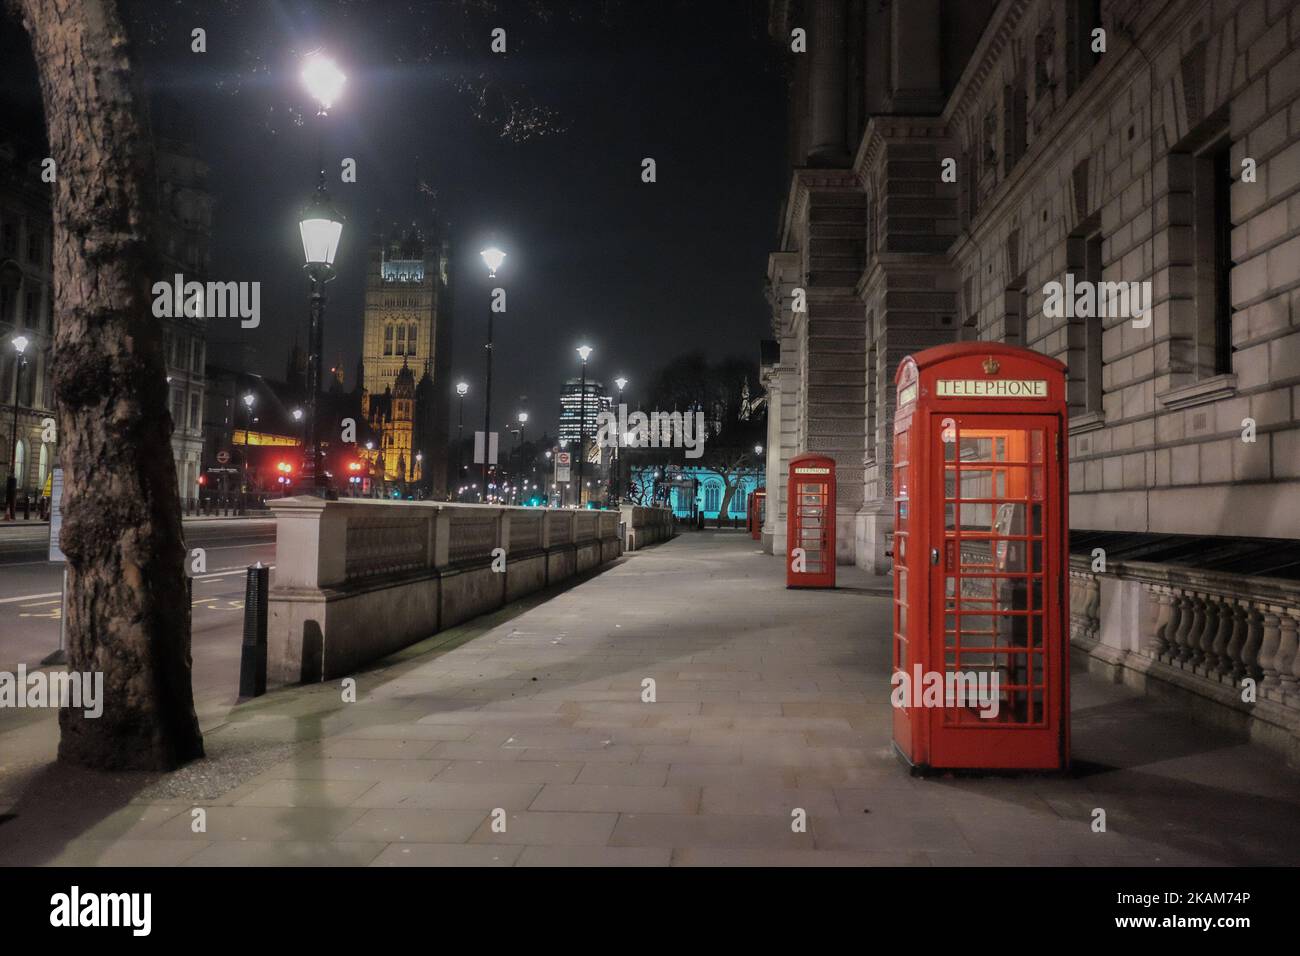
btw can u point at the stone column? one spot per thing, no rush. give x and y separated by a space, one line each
827 146
915 57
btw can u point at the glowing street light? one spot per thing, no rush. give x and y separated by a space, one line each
493 257
322 79
20 343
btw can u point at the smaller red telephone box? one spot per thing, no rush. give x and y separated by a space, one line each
756 514
981 642
810 527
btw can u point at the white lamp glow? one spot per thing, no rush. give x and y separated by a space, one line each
322 78
493 257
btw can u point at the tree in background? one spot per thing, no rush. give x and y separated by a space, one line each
720 390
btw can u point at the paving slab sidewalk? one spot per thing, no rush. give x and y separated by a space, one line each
522 739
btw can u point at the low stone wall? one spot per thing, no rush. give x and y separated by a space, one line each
644 526
357 579
1222 645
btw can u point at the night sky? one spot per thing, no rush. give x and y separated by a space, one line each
641 272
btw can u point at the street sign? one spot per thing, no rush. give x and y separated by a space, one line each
478 449
223 457
562 463
56 515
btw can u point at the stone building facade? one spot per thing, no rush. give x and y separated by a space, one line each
26 303
950 161
1125 165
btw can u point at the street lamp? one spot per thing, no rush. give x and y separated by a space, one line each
584 351
249 398
323 79
20 343
320 226
462 388
621 382
492 257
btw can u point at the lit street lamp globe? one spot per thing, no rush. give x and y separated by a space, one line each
320 226
493 257
462 388
322 78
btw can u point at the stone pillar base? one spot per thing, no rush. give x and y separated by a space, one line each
872 528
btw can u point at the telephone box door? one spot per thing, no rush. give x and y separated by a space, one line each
996 554
810 527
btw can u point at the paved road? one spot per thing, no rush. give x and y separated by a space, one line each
30 587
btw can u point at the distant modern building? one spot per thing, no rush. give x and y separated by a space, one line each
407 333
572 411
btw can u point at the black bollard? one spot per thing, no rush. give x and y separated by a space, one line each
27 507
252 659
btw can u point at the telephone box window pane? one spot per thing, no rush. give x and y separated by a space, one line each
902 543
1036 483
949 483
1036 445
1037 596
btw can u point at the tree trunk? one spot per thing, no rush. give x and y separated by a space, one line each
128 606
729 491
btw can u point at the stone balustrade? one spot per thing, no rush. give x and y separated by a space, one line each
1229 638
357 579
644 526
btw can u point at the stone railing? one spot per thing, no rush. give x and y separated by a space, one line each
358 579
643 526
1229 638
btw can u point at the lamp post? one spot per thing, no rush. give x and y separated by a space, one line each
492 258
248 399
461 389
584 351
320 226
19 342
523 420
621 383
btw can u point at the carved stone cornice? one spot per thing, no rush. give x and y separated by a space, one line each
882 130
805 180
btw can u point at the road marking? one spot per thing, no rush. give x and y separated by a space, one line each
58 594
30 597
226 573
39 603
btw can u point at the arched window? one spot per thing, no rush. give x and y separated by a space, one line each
712 496
411 339
20 463
738 501
44 465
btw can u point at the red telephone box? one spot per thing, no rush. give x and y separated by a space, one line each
756 514
810 527
981 642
